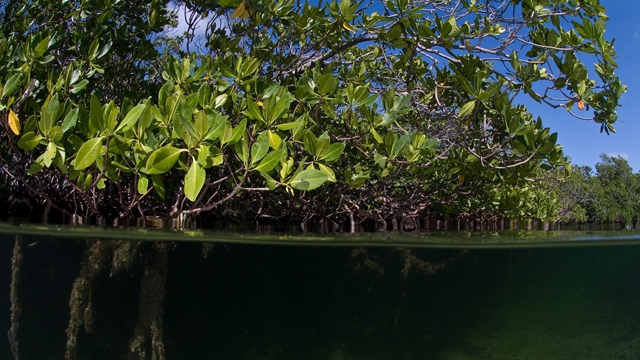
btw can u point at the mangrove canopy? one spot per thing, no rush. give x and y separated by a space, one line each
271 111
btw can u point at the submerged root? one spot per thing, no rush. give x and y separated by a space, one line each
412 262
363 264
95 260
147 335
16 261
207 250
125 254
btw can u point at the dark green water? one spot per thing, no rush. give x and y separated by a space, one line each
510 296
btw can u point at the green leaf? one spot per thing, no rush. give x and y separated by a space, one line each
88 179
55 134
30 124
143 184
11 84
278 109
41 48
104 50
93 49
220 100
203 94
270 161
131 118
400 102
254 110
388 118
80 86
308 180
400 145
322 146
271 183
310 142
184 128
88 153
238 131
187 106
274 140
226 132
201 124
34 168
29 141
260 148
121 166
242 149
290 125
369 100
70 120
194 180
467 108
344 6
326 83
162 160
217 127
327 170
145 119
158 185
380 160
209 156
376 135
334 152
96 119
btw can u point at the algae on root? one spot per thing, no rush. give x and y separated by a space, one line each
153 288
16 262
96 258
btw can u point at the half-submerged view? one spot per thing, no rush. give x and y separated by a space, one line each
341 180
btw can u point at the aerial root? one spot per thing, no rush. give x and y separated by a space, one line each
126 253
153 288
16 261
365 265
95 260
207 250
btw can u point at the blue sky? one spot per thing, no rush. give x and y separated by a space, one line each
582 140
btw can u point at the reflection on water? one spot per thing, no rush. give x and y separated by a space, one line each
248 301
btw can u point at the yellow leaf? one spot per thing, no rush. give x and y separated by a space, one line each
348 26
274 139
460 179
580 104
240 10
468 45
245 14
439 88
14 122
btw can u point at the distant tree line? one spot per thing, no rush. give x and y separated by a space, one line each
608 193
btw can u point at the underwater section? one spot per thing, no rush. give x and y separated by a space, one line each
233 300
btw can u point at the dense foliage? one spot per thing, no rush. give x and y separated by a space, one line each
292 110
611 193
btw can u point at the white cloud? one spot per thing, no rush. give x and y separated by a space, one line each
200 25
183 14
623 155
